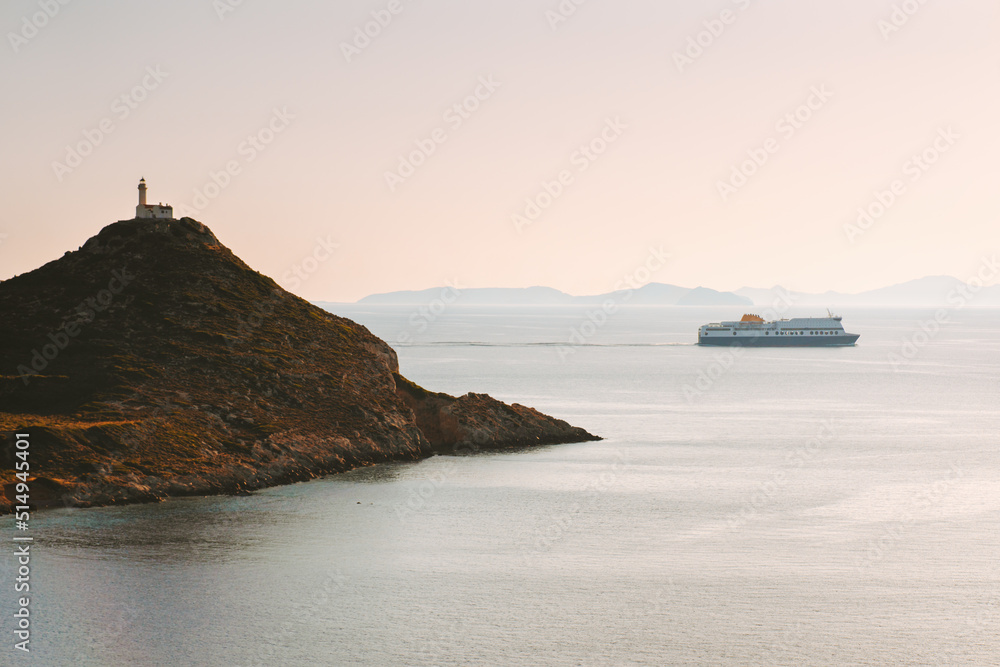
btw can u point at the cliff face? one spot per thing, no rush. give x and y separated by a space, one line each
153 362
475 422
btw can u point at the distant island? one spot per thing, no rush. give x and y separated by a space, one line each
927 292
931 291
657 294
152 362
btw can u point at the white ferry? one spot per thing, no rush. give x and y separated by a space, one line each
753 331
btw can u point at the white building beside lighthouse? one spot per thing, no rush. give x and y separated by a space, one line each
144 210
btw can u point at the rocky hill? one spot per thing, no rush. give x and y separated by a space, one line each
152 362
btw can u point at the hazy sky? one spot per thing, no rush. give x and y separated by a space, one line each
839 97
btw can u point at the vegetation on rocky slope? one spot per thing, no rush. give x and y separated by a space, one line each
153 362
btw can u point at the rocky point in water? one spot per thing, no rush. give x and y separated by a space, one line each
139 373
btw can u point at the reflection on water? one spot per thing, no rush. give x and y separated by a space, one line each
183 529
194 529
805 509
385 472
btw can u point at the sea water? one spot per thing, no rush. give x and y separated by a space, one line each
747 507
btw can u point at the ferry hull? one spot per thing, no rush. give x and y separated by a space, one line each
780 341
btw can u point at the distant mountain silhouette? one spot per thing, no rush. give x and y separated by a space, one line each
658 294
703 296
483 296
930 291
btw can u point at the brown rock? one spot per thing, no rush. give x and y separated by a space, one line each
152 362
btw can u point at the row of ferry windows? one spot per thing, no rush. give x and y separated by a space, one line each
799 333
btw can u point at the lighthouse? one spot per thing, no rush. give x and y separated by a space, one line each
144 210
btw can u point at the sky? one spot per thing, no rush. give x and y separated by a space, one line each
359 147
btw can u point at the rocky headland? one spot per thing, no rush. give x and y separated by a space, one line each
152 362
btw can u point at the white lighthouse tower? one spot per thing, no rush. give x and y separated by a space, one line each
144 210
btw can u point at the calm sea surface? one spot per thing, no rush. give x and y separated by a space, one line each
775 507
